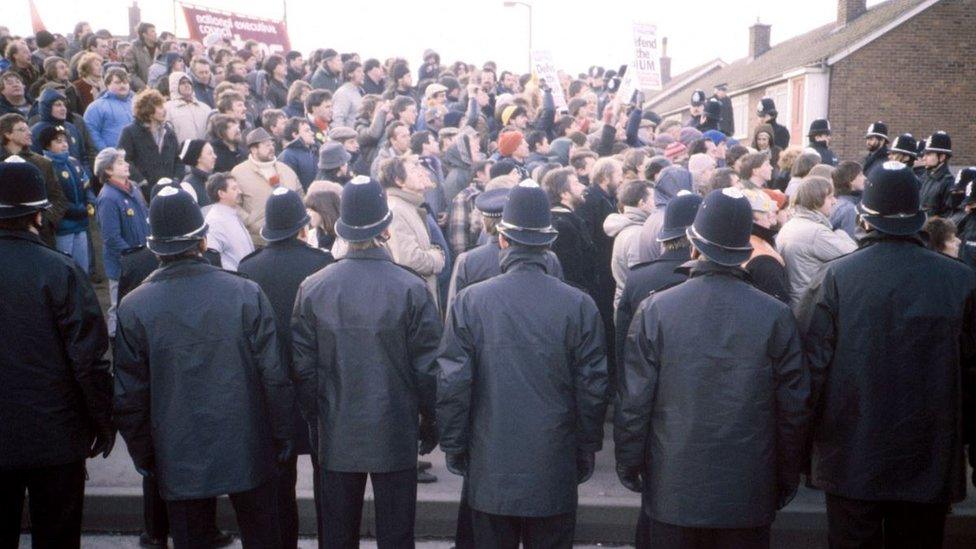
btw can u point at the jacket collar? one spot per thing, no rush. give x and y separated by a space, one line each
680 254
183 267
414 199
293 242
371 253
704 267
21 235
519 258
877 237
812 215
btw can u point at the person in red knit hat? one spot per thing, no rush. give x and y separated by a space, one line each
512 146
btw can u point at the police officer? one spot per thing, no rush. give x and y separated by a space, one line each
365 333
766 111
876 140
727 123
888 453
711 115
904 149
712 351
522 388
819 135
481 263
966 223
937 179
201 397
695 108
279 268
55 386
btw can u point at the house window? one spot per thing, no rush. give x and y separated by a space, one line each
740 113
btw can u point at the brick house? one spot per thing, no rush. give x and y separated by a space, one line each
910 63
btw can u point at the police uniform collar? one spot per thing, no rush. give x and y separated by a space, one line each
371 253
517 257
705 267
182 267
21 235
875 237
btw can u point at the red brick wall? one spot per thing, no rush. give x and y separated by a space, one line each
920 77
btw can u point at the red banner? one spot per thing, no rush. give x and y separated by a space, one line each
239 28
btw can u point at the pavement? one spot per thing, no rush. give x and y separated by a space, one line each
132 542
607 511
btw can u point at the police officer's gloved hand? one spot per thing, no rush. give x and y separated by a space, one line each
427 435
585 462
631 478
284 449
103 443
457 463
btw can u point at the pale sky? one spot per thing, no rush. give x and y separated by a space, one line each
578 34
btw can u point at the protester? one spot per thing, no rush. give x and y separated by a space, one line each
848 181
199 157
257 177
301 153
141 54
150 146
71 234
226 232
766 266
230 381
671 181
339 368
224 136
279 269
666 445
522 481
635 200
808 240
110 112
53 110
349 96
925 343
55 384
184 112
766 110
942 236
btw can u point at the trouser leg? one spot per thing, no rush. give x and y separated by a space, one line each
57 496
285 480
914 525
641 537
854 523
317 499
555 532
395 496
495 531
737 538
662 535
257 516
342 508
191 522
154 509
13 485
464 535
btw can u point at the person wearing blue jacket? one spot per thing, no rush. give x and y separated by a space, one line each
71 233
123 217
53 110
111 111
301 153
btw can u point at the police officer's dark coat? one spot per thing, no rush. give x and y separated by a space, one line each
712 401
936 185
643 279
138 263
888 347
364 337
876 158
199 387
827 156
522 387
967 236
781 135
483 262
55 386
279 268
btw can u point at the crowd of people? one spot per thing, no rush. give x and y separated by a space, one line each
319 255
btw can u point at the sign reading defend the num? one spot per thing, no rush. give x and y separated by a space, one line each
645 70
544 69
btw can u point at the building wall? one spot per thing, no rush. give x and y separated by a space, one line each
920 77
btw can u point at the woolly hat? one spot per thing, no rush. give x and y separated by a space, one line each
510 112
190 151
508 142
689 135
674 150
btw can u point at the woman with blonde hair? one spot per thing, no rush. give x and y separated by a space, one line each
89 84
783 167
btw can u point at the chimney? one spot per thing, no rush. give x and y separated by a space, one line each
665 62
849 10
135 17
758 39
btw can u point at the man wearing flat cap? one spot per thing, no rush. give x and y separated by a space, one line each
364 340
522 388
891 355
258 176
201 397
712 351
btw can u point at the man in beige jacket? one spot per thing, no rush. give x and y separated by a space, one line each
405 181
257 177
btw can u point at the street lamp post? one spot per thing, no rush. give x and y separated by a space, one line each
512 4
